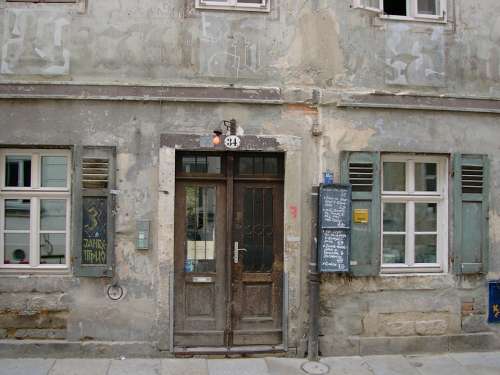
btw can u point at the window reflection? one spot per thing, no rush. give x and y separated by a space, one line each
18 171
201 164
200 230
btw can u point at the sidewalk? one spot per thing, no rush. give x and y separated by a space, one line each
485 363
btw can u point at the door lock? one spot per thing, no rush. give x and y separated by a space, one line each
236 252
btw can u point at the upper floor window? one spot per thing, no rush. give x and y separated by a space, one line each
34 208
406 9
247 5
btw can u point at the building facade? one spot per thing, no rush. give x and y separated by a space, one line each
158 160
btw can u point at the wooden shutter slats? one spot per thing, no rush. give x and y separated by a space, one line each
361 170
94 203
470 219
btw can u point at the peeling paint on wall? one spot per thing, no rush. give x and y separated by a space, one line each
414 58
34 43
228 50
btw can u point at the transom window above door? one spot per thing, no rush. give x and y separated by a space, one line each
242 165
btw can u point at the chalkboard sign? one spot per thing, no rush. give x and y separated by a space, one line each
334 228
94 233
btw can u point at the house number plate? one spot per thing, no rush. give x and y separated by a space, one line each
232 141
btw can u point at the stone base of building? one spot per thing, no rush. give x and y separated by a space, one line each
357 345
85 349
329 346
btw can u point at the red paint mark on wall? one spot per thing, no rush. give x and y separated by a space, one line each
293 211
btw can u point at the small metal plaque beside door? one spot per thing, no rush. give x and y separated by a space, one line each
202 279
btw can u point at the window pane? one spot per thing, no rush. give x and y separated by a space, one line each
258 164
249 1
271 165
17 214
394 176
17 248
18 171
52 214
425 217
213 164
246 165
425 177
200 230
52 248
428 7
395 7
258 230
201 164
54 171
394 217
425 248
188 164
394 248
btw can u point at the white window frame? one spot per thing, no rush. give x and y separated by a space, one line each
35 193
264 6
410 197
412 9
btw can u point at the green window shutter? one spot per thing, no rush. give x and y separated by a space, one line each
470 219
362 171
93 210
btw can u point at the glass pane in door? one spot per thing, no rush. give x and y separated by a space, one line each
200 229
258 229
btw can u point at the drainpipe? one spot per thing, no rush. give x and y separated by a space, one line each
314 282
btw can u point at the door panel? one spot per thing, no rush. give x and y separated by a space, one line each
257 276
200 235
222 299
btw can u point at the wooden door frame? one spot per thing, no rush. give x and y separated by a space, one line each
164 237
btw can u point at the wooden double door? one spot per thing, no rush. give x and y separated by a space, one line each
228 250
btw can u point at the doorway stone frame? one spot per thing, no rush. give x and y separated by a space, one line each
164 236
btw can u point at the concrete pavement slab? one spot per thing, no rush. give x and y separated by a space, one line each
390 365
135 367
181 366
78 366
347 366
479 363
25 366
255 366
437 364
288 366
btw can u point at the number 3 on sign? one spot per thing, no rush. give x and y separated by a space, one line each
232 141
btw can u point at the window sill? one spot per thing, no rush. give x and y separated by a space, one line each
27 272
412 274
233 8
412 19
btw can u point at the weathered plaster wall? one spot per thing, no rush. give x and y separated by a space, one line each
78 309
403 307
308 44
304 43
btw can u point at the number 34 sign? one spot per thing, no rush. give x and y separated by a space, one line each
232 141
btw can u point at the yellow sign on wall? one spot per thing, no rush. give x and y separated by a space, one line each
361 215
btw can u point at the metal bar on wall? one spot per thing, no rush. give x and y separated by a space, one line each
285 312
171 310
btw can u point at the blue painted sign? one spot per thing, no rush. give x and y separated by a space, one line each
494 305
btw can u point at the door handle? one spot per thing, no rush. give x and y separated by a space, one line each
236 252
